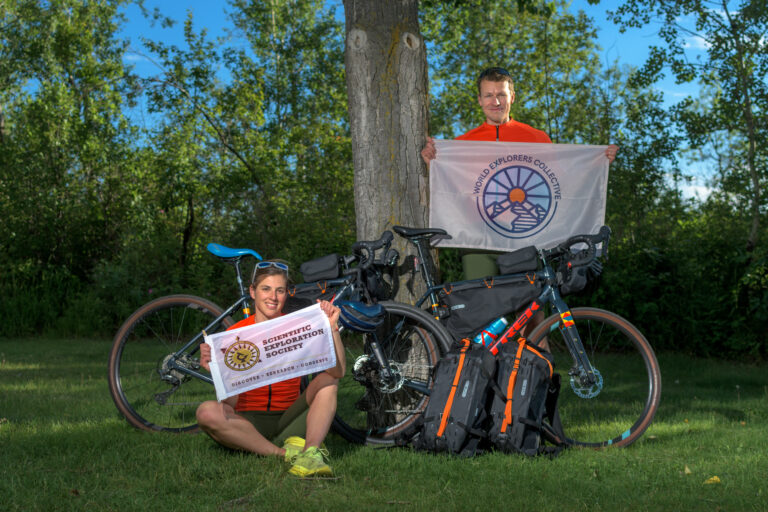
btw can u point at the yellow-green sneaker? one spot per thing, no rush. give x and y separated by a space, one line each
310 463
293 446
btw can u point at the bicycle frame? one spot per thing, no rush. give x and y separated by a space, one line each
549 295
194 343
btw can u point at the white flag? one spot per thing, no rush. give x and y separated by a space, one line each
506 195
267 352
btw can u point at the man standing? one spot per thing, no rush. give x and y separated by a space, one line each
495 94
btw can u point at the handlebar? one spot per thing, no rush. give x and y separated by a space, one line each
367 249
583 256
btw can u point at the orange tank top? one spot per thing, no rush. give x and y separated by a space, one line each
275 397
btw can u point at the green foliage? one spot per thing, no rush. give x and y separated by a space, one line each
735 68
551 57
249 146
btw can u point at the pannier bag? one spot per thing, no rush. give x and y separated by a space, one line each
325 267
525 395
454 419
474 304
521 260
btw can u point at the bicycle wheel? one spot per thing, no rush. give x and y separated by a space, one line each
149 394
372 408
617 409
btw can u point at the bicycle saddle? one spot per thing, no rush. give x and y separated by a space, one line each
410 232
228 253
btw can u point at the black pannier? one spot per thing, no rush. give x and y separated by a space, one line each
521 260
455 420
526 385
474 304
325 267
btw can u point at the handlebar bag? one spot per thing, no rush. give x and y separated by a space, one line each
325 267
473 304
521 260
584 279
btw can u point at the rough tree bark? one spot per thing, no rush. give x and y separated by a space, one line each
386 66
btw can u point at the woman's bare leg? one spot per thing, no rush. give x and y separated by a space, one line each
220 421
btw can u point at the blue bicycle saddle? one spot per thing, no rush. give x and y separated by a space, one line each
226 252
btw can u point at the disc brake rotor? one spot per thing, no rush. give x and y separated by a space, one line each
584 389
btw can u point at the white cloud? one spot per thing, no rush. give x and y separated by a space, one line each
700 192
696 43
134 57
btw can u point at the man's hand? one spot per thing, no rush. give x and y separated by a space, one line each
429 152
205 356
610 152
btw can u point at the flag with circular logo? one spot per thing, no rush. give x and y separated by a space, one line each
508 195
257 355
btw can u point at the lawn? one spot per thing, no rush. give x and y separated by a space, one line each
63 446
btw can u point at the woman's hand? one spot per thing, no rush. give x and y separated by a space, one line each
332 312
205 356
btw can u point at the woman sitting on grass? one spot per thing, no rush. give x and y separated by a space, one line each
261 420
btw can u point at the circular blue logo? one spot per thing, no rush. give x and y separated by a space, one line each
517 202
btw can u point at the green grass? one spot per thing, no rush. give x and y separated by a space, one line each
64 447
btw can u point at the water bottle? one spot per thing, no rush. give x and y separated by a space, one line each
490 333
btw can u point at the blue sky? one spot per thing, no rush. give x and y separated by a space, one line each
630 48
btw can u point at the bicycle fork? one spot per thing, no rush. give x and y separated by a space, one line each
390 377
586 380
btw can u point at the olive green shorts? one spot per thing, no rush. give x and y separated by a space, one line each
278 426
477 265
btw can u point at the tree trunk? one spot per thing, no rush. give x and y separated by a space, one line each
386 67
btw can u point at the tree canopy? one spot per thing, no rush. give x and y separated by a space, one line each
251 145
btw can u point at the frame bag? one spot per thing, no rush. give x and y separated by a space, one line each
523 410
474 304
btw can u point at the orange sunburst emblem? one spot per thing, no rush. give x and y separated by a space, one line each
241 355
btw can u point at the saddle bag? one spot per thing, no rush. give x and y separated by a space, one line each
523 409
455 417
325 267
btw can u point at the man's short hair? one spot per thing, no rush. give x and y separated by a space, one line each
495 74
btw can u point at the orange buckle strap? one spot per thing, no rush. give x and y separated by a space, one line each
511 386
551 370
454 386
